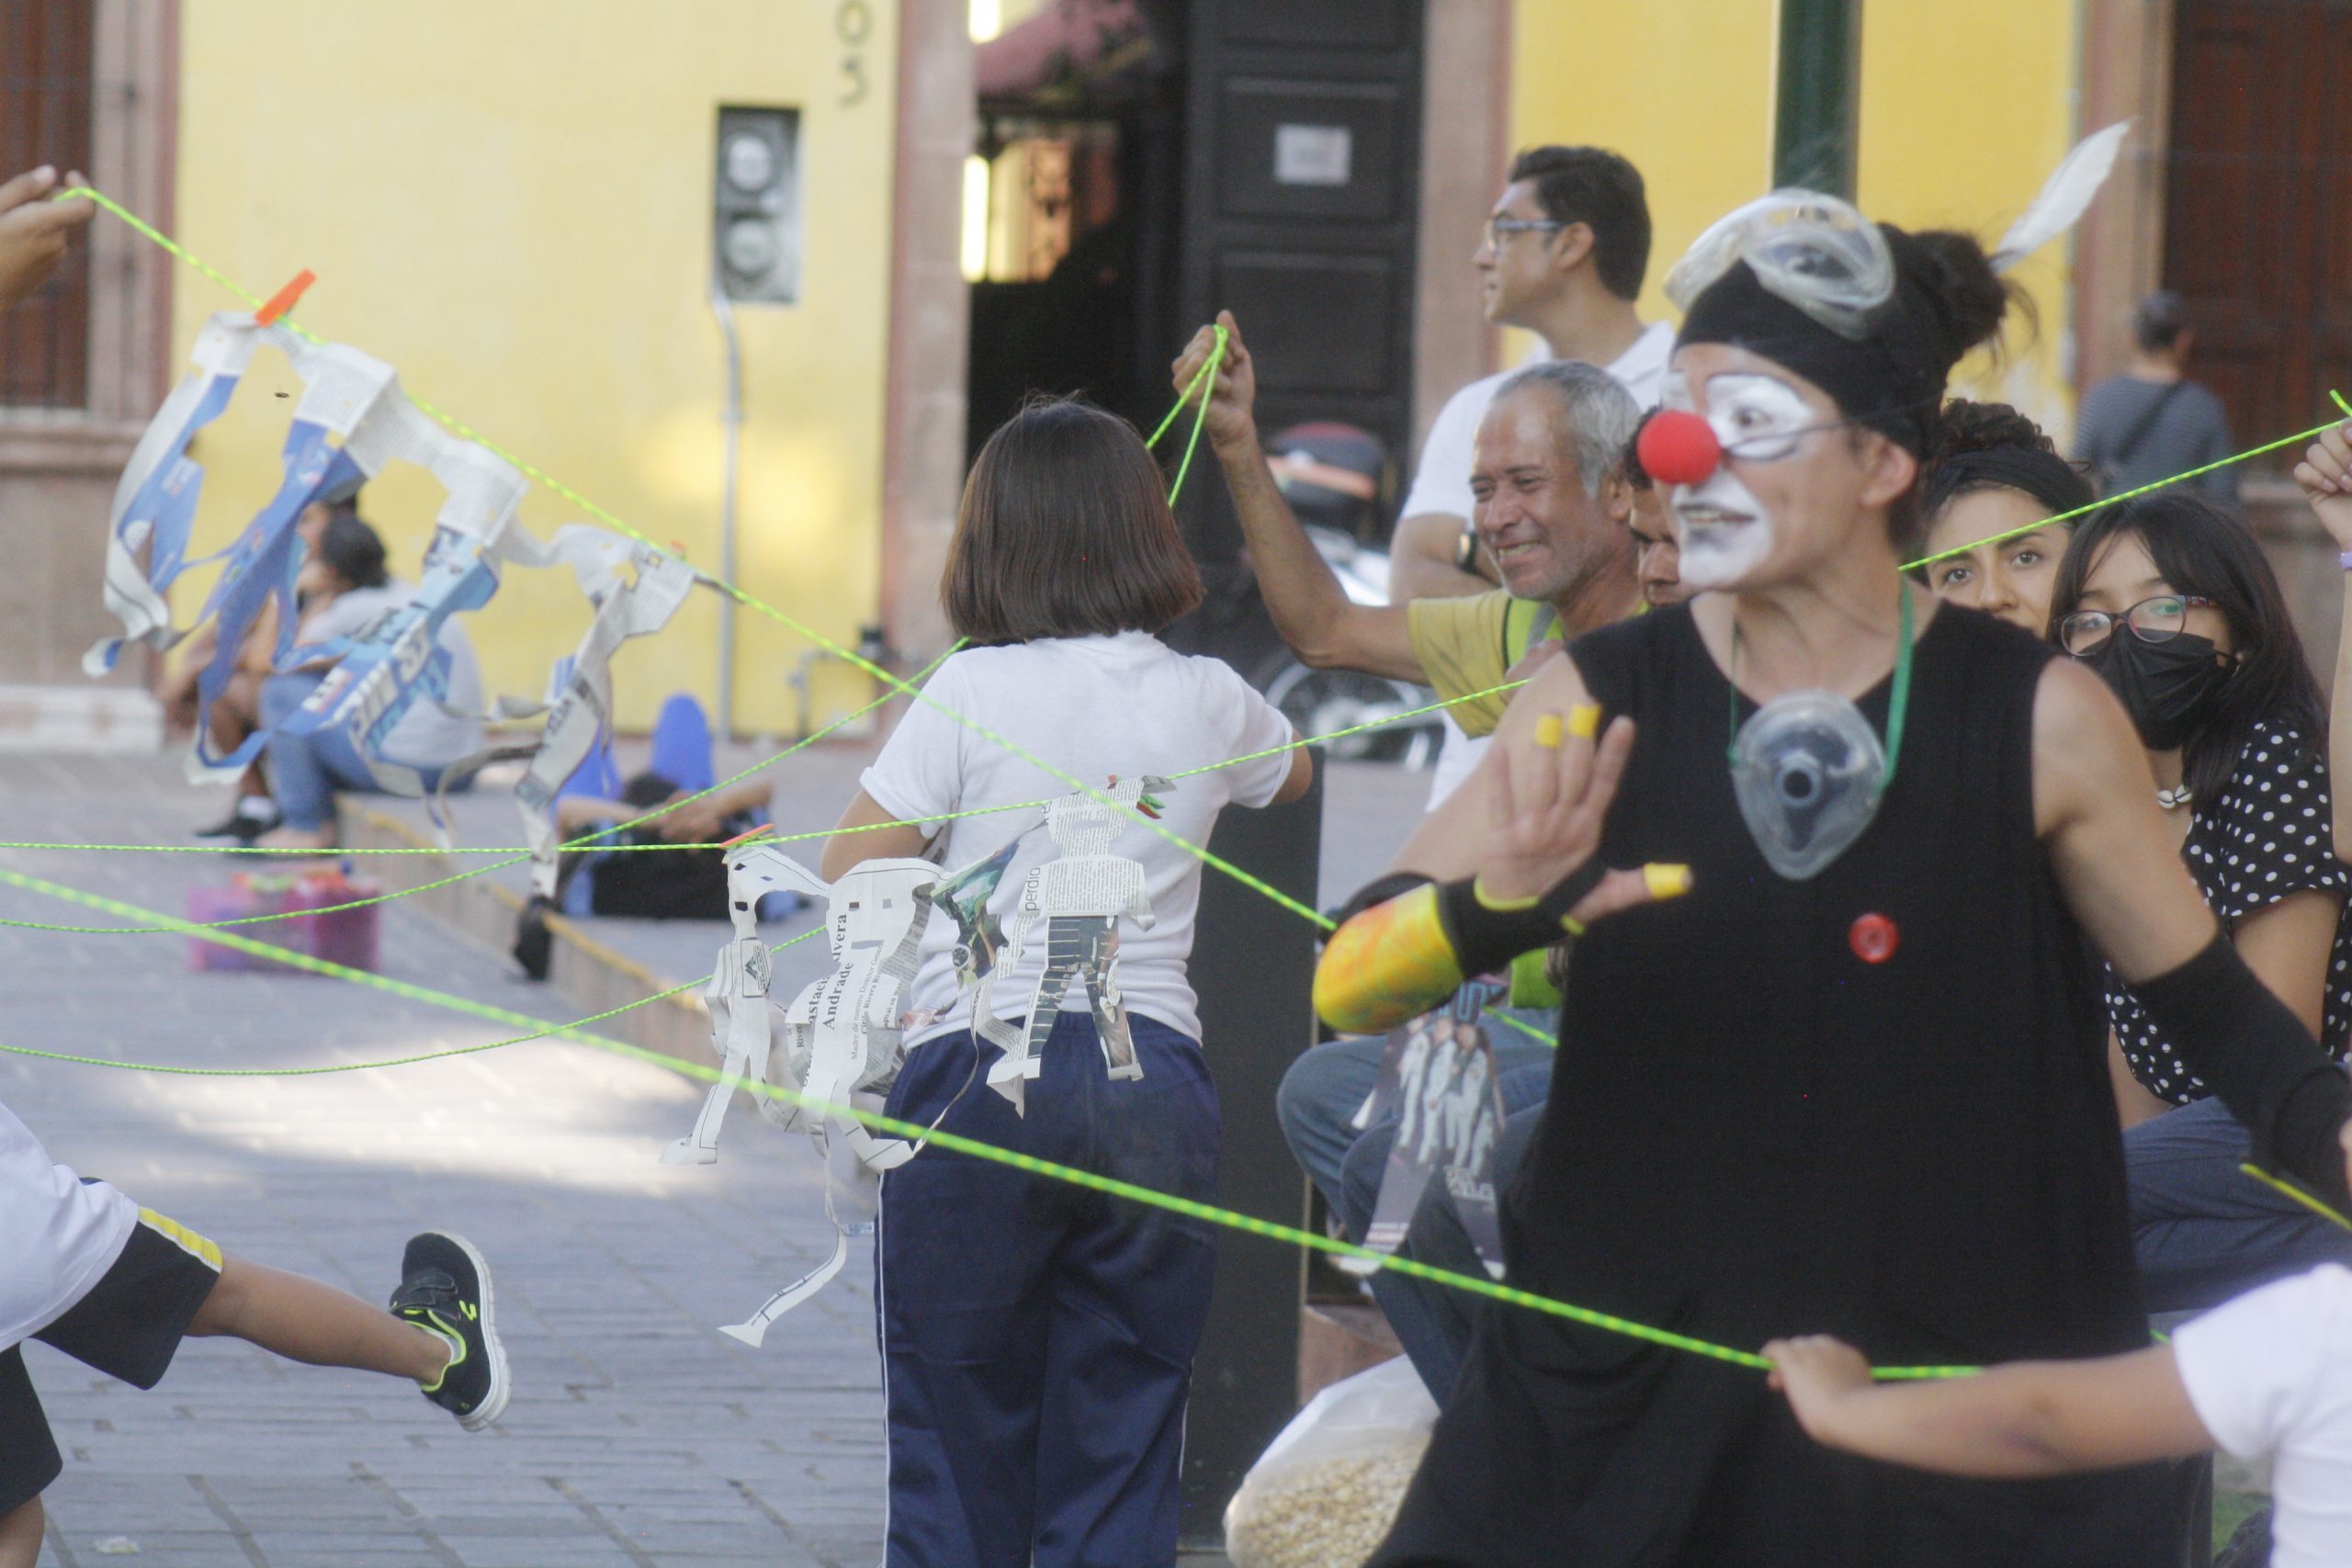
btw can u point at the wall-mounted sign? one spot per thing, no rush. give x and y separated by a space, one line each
1312 154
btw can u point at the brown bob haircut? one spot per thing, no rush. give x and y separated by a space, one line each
1065 531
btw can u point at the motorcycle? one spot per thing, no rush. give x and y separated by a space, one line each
1322 701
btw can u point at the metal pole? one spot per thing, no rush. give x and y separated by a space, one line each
724 309
1818 95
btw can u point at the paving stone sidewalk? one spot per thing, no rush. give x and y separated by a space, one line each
638 1435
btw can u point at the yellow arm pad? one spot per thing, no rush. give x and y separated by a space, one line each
1390 963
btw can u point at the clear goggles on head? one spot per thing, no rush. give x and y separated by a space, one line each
1813 251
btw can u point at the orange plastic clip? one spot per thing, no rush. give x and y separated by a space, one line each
283 300
748 834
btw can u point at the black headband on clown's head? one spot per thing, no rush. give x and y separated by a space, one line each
1891 378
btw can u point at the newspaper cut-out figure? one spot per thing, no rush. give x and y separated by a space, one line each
843 1032
353 420
1079 895
740 1032
1438 1075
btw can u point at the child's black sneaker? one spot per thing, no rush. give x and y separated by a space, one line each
444 1289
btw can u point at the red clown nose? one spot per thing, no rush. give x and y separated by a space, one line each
1678 448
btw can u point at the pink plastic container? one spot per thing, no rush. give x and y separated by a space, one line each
346 936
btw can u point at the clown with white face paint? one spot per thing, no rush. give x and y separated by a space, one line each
1767 1118
1722 527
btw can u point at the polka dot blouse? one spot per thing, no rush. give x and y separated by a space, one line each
2268 835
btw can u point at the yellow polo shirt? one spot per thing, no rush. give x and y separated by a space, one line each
1469 643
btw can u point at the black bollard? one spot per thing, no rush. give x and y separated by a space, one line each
1253 968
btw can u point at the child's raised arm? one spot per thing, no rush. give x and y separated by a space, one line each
2027 1419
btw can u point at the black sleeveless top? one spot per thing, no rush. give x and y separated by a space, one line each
1753 1131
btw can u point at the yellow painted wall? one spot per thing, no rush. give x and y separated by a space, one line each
1966 110
510 203
1683 87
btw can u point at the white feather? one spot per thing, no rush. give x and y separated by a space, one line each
2064 195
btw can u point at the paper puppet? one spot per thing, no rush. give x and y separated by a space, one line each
841 1048
350 421
580 702
1438 1076
1078 896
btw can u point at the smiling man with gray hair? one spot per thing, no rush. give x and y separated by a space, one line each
1547 501
1550 499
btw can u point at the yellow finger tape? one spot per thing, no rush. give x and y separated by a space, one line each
1666 881
1547 732
1584 721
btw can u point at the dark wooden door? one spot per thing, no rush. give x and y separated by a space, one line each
45 70
1303 125
2257 196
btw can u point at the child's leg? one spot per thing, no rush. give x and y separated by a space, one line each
1130 1297
21 1533
29 1461
170 1283
304 1320
960 1260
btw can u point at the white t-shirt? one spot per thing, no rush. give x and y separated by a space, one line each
58 1238
1092 706
426 736
1441 484
2271 1373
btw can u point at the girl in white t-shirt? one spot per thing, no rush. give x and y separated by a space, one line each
1037 1338
2268 1374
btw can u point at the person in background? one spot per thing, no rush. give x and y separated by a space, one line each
1550 501
1995 472
1786 1134
2172 601
684 885
2152 421
345 591
86 1271
1433 1323
1037 1340
1658 554
33 230
236 711
1563 257
2268 1376
2326 474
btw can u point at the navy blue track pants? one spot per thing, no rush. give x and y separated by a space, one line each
1037 1337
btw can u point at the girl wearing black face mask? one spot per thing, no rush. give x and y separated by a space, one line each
2173 603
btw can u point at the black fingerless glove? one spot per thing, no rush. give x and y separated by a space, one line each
2240 1038
1486 936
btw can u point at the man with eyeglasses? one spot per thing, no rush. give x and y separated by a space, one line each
1563 257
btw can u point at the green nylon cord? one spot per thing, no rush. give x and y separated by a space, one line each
1200 416
2290 1190
749 601
2127 495
851 657
846 655
343 851
1206 1212
586 840
554 1029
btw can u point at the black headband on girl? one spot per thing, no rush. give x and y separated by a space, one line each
2046 476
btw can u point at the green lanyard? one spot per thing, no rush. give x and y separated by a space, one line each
1898 702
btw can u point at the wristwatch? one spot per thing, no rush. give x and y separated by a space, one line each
1466 549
